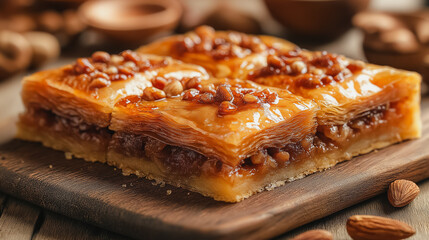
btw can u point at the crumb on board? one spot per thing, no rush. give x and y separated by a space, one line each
157 182
50 166
114 169
188 193
131 184
169 192
68 155
124 185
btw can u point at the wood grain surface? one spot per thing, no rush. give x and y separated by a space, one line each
100 195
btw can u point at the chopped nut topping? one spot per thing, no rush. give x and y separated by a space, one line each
281 157
99 83
159 82
249 98
193 83
152 94
206 98
173 88
226 107
109 68
219 46
101 57
224 93
309 71
230 98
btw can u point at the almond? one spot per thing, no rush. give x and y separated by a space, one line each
402 192
367 227
316 234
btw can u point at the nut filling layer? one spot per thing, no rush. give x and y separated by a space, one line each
184 162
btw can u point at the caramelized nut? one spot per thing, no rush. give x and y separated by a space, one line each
224 93
194 82
208 88
299 67
125 70
101 56
226 108
129 55
83 65
173 88
99 83
116 59
356 66
111 70
205 32
206 98
249 98
316 71
281 157
152 94
275 61
130 65
190 94
159 82
258 158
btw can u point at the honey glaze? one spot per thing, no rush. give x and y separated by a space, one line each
218 45
307 69
101 69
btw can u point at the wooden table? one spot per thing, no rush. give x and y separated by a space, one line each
22 220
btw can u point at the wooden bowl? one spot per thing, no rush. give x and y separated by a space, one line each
131 21
321 19
400 40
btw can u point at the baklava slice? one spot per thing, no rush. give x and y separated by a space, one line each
362 106
70 108
224 140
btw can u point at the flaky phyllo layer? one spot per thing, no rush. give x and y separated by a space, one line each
224 114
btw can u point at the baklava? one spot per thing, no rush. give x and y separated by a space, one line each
223 114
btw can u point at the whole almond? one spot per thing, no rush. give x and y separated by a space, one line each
367 227
316 234
402 192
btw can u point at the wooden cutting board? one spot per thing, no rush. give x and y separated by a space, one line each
100 195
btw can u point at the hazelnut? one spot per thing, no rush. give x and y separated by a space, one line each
299 67
173 88
99 83
101 56
190 94
226 107
116 59
281 157
275 61
249 98
111 70
45 47
224 93
258 158
159 82
15 53
206 98
152 94
208 88
194 82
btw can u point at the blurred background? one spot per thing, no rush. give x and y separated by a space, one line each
34 33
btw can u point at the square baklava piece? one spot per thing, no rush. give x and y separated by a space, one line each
223 114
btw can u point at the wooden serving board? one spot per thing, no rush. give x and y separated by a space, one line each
100 195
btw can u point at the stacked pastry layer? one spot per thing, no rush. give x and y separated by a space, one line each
224 114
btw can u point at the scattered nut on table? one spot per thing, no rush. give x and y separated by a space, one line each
402 192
